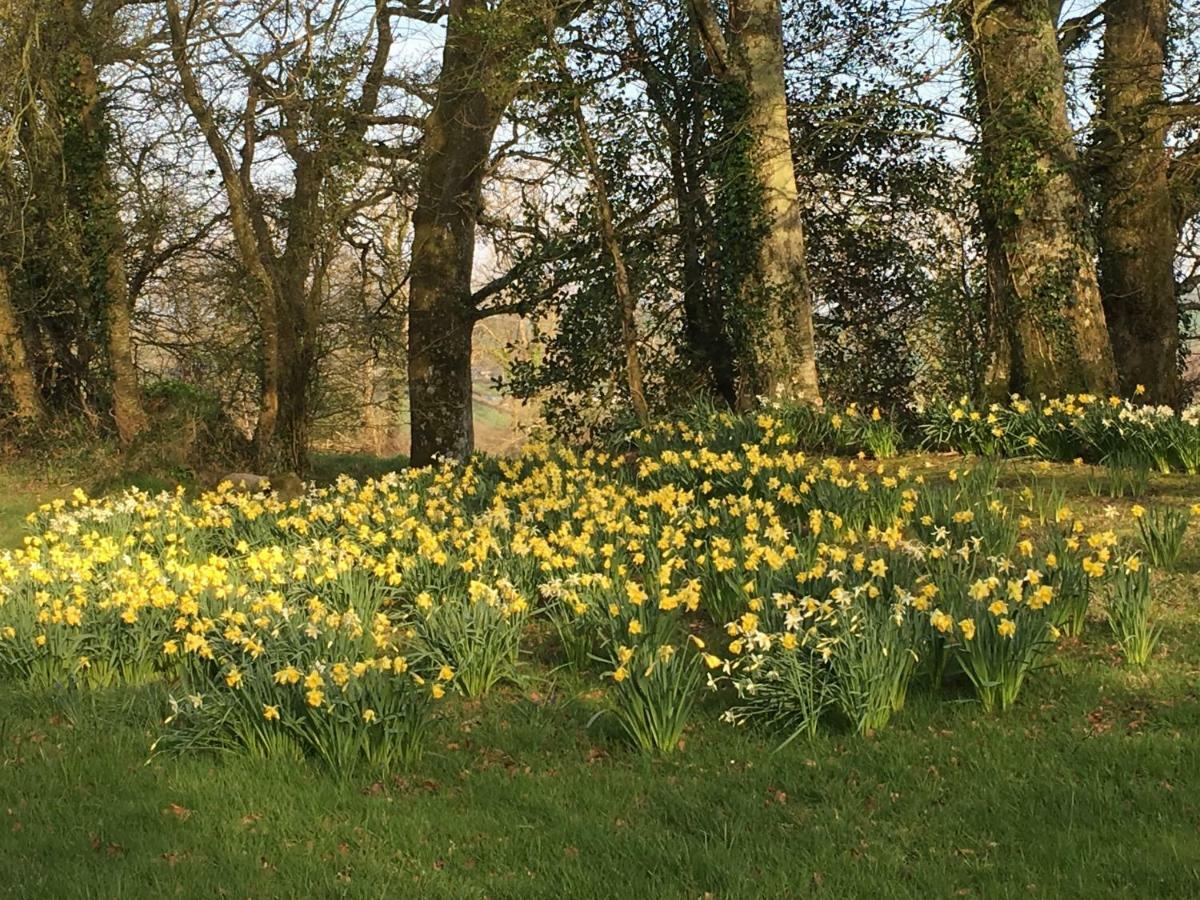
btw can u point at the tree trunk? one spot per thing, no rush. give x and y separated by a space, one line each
128 412
474 88
1136 229
704 304
776 343
105 233
1048 327
299 277
22 385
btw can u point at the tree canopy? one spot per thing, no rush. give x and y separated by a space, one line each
373 222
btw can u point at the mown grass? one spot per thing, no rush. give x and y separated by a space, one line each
1087 789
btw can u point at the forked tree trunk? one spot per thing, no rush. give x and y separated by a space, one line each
1048 330
244 235
291 283
1136 229
22 385
776 347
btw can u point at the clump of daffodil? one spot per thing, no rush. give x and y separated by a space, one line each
727 551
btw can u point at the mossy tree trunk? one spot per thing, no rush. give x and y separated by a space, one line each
1136 228
774 339
1048 330
22 384
85 155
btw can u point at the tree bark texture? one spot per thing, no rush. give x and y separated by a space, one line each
1136 229
776 342
1047 321
476 84
104 232
22 385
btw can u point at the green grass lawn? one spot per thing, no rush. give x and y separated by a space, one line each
1089 788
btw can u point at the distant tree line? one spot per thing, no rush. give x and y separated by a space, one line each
306 209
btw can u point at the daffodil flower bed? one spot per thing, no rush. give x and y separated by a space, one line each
1110 431
804 592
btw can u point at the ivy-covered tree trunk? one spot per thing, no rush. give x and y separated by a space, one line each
706 338
85 154
773 333
22 385
1048 330
1136 228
